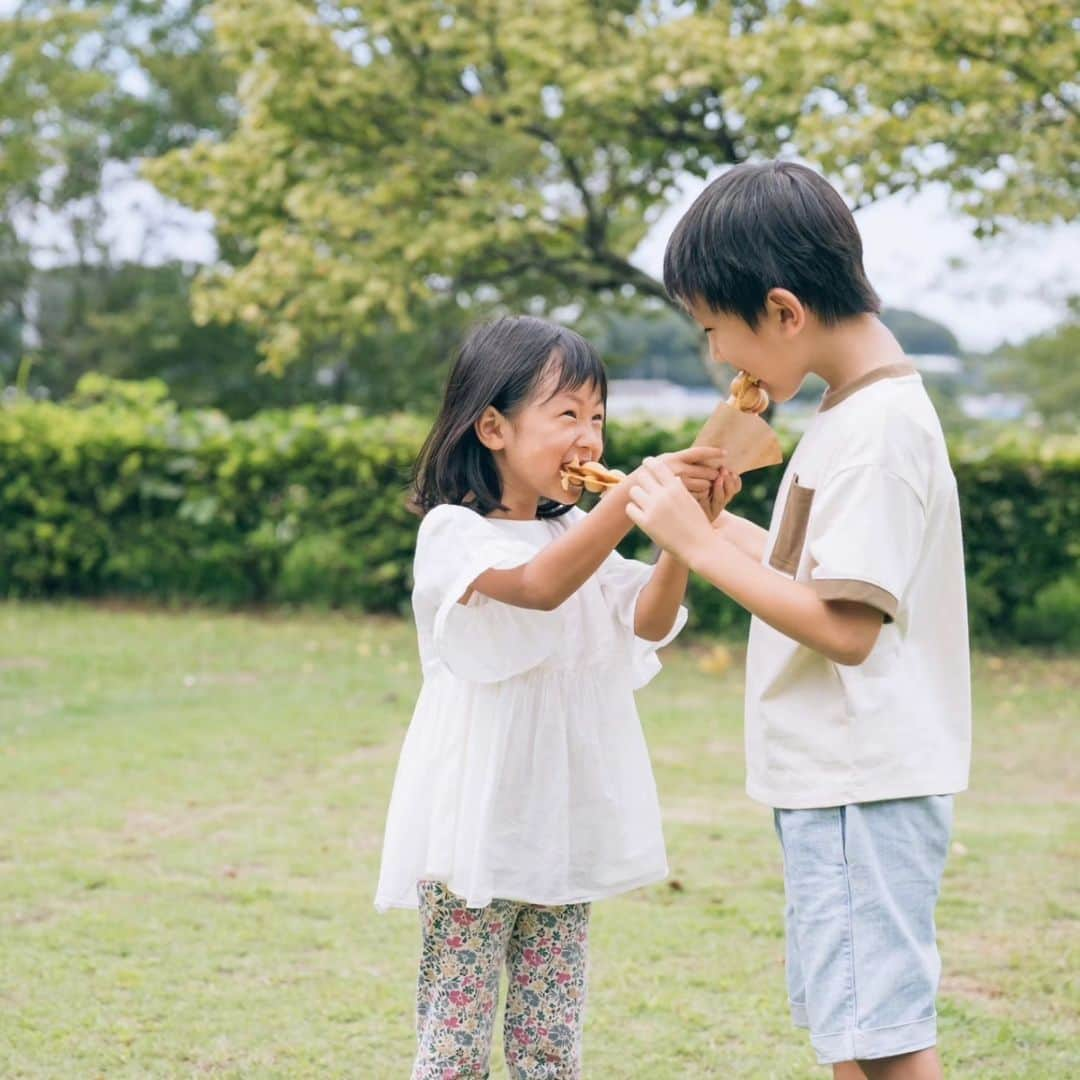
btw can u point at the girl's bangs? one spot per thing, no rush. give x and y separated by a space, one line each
575 363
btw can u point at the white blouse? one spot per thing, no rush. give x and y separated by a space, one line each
524 774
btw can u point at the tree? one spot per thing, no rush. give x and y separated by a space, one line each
39 81
15 273
134 322
982 95
131 321
1046 368
918 334
88 86
648 341
96 83
392 154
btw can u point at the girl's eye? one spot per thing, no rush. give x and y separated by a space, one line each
598 419
570 412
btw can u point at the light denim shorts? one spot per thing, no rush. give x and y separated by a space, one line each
861 883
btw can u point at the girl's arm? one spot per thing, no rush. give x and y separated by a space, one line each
561 568
658 603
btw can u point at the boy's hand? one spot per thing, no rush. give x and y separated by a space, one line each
698 467
663 507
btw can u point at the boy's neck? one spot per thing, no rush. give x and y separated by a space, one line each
853 348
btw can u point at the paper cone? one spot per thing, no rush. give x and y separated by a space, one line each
750 442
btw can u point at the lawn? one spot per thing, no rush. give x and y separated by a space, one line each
191 808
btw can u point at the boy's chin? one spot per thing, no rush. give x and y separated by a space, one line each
779 394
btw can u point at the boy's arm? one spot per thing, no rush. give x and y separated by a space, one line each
745 535
842 631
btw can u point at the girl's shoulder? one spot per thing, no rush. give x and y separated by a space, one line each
448 526
449 515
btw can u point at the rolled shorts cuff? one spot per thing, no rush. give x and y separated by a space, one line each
868 1045
798 1014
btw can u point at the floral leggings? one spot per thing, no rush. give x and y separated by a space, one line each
545 950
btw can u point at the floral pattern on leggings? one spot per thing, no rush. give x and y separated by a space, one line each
545 952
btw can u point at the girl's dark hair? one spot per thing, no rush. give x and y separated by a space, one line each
760 227
501 364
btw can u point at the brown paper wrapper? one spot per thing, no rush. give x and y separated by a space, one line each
749 441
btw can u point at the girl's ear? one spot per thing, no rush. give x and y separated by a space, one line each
491 428
785 310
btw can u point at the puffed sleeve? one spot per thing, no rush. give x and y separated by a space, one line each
865 536
621 581
483 640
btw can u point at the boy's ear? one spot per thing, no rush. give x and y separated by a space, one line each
786 311
491 428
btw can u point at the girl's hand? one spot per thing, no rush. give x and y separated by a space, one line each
662 506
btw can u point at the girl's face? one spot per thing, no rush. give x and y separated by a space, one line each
547 432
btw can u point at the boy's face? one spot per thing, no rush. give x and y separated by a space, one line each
771 353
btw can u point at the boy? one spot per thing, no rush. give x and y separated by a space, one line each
857 680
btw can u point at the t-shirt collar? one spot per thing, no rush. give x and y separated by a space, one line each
887 371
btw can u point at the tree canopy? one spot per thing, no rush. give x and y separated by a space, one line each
393 153
1046 369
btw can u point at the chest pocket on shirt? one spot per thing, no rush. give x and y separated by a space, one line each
791 537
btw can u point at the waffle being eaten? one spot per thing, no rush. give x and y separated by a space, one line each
737 427
747 395
590 475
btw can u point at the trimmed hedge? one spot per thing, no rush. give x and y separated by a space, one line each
118 492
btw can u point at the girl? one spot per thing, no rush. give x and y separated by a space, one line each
524 789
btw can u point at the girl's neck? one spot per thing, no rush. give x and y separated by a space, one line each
516 510
520 505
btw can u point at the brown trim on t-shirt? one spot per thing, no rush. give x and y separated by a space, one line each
861 592
888 371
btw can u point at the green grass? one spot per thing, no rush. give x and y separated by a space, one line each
191 809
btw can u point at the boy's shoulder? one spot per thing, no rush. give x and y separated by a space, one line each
889 423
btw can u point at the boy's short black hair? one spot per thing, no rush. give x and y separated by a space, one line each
760 227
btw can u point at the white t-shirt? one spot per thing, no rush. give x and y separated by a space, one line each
867 511
524 774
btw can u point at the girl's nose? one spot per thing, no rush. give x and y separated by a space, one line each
590 441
